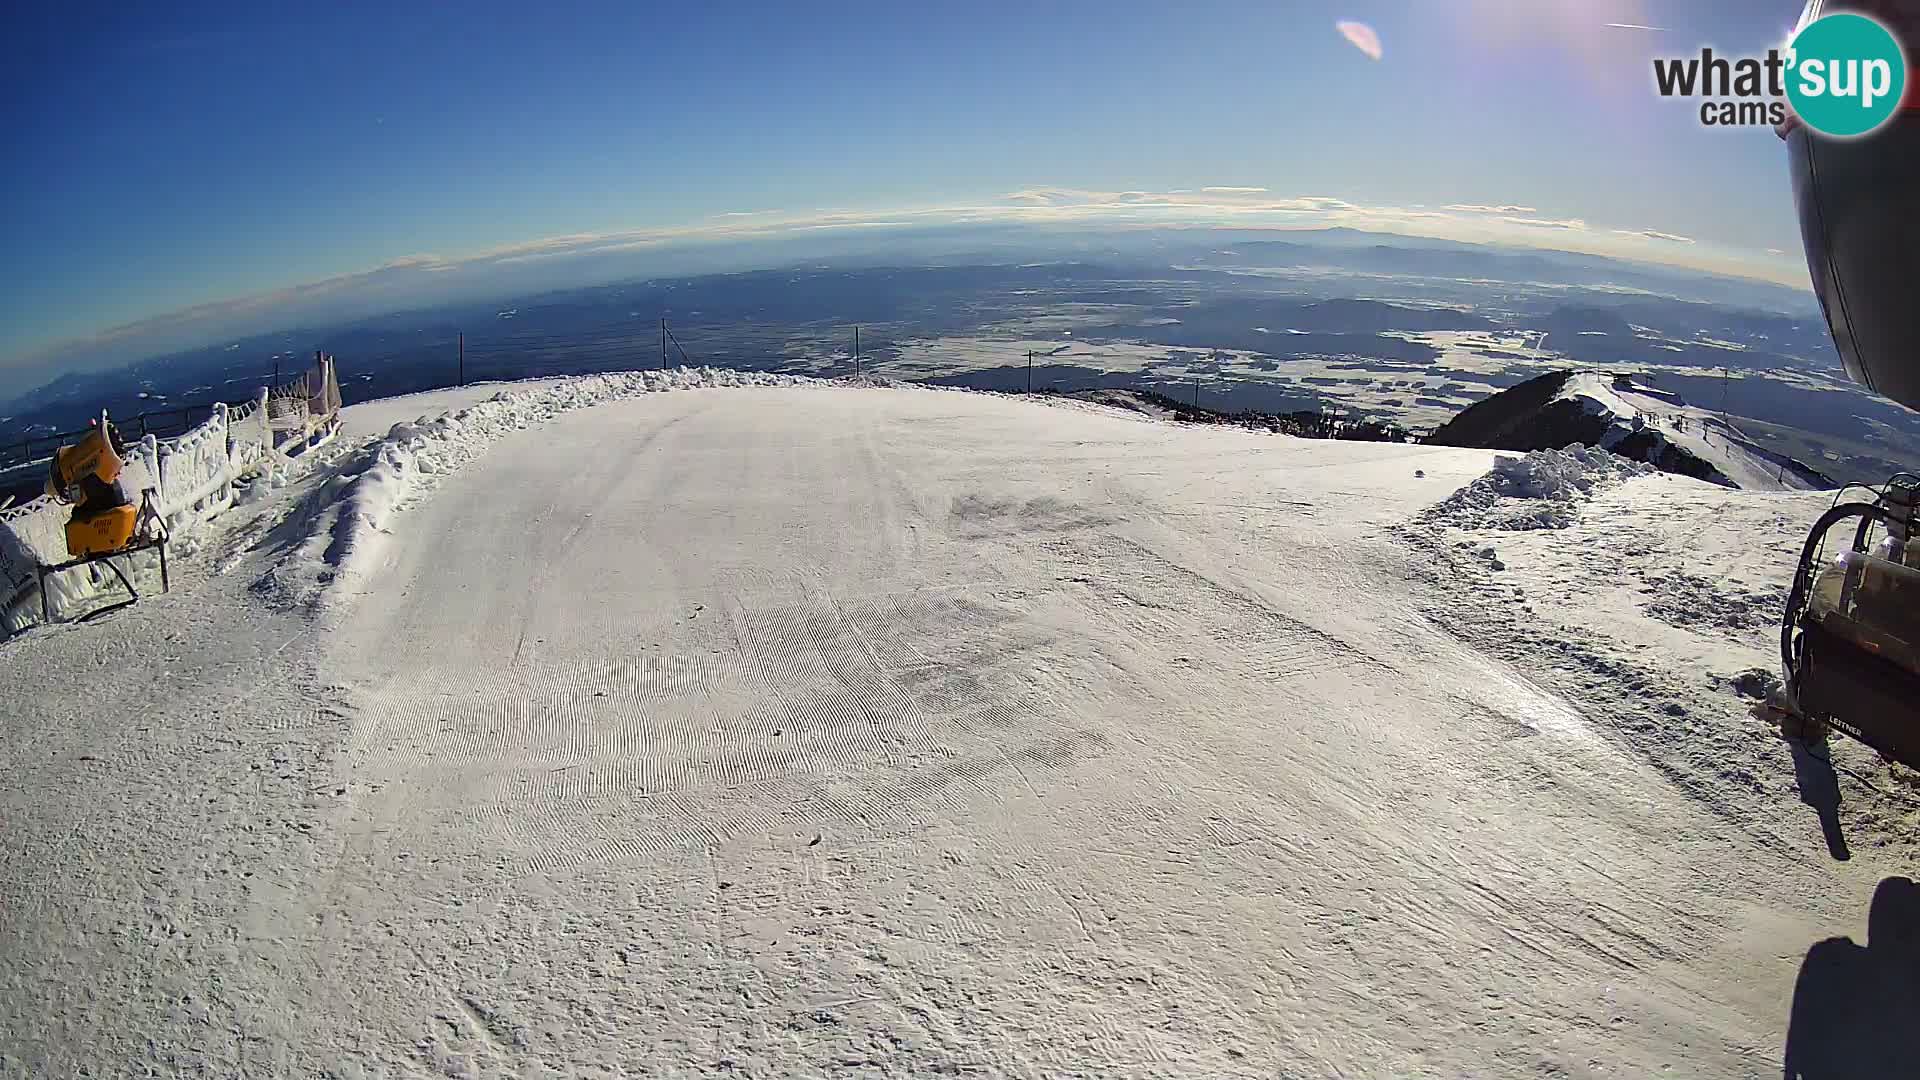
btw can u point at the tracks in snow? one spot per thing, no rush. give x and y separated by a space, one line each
810 743
758 713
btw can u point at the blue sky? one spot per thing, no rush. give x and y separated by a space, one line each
169 156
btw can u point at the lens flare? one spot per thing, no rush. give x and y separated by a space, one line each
1361 35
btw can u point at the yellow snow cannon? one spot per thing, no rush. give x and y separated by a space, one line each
87 475
105 523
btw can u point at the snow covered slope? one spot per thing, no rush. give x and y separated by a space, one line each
800 730
1668 427
1629 418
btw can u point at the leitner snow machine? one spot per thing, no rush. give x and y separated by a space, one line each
1850 636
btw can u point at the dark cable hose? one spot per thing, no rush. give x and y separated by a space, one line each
1797 598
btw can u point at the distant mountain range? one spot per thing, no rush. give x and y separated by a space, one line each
1354 251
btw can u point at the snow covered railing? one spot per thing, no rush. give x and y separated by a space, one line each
249 436
196 473
32 534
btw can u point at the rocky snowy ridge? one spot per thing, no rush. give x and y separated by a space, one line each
1629 418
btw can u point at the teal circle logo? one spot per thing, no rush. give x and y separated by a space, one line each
1845 75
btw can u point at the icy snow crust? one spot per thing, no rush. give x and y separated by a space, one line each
797 730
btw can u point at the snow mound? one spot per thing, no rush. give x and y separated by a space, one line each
344 523
874 382
1542 490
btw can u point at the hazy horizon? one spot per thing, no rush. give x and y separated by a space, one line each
429 282
222 164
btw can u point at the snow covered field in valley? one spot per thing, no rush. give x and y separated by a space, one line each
811 730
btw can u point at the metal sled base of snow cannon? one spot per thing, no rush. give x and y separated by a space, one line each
1850 639
133 594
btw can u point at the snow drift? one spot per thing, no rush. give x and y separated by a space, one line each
1542 490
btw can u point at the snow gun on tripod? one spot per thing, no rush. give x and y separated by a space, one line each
105 522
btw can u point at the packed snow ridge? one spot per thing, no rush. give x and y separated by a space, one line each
346 519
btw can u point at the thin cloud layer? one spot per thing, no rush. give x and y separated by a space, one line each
1664 237
1569 224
